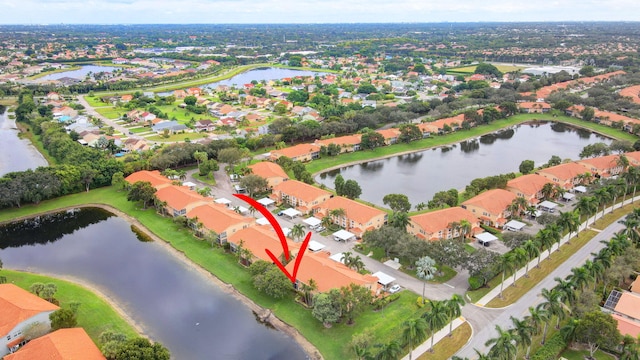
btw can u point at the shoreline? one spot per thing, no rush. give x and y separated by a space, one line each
263 314
382 157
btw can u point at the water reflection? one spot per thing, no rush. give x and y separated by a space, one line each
410 158
469 146
372 166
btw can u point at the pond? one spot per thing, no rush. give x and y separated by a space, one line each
79 74
16 154
174 303
420 175
263 74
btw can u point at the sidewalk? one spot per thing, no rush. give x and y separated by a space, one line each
425 346
545 254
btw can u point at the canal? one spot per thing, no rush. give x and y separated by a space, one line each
421 174
16 154
175 304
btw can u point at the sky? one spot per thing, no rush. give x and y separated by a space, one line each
310 11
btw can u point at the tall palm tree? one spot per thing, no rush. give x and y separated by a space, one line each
505 264
436 318
568 331
425 270
544 236
596 271
603 195
569 221
531 249
389 351
524 331
580 277
632 177
414 332
504 347
537 317
547 191
519 257
337 214
307 291
454 309
297 232
555 233
566 289
399 219
553 304
586 206
465 228
326 222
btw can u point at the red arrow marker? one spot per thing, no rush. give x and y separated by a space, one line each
283 240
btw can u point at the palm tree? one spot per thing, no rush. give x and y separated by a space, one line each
547 191
297 232
436 318
524 331
555 233
538 316
465 228
425 270
568 331
454 309
337 215
632 177
504 347
505 264
566 289
586 206
414 331
520 257
595 270
326 222
307 290
544 236
389 351
399 219
569 221
603 195
580 277
531 249
553 304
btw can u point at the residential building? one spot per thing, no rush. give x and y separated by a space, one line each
627 314
301 152
633 157
349 143
156 179
329 274
529 187
180 200
603 166
534 107
437 225
299 195
205 125
390 135
18 310
566 175
219 219
257 239
491 206
357 217
64 344
269 171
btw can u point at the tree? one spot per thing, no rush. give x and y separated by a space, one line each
587 113
87 175
505 264
387 238
141 349
388 351
504 346
587 206
397 202
526 166
414 331
36 288
253 183
360 344
436 317
325 310
272 282
231 155
523 330
48 291
297 232
399 220
62 319
142 191
200 156
117 180
569 221
596 330
425 270
454 309
35 330
553 304
307 291
444 198
371 140
532 250
338 184
353 300
351 189
537 316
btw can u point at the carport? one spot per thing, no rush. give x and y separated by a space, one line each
291 213
384 279
315 246
485 238
312 222
266 202
223 201
580 189
514 225
343 235
547 206
339 257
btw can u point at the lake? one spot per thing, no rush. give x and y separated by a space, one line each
79 74
174 303
16 154
265 74
421 174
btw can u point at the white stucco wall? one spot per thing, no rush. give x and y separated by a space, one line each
17 331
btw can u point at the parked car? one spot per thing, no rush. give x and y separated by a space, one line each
394 289
280 213
320 229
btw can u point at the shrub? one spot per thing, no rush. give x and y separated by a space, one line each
382 302
420 302
475 282
551 349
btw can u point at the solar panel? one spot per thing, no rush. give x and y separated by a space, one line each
612 300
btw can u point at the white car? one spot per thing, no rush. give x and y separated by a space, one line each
394 289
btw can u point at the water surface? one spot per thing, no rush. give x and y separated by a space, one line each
16 154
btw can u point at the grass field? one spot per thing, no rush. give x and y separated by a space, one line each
138 130
111 112
94 314
332 343
582 354
178 137
95 101
448 346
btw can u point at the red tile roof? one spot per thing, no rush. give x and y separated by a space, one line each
217 217
300 190
329 274
354 210
295 151
266 169
434 221
178 197
564 172
633 92
495 201
259 238
341 140
154 177
18 305
601 163
629 305
389 133
63 344
627 326
529 184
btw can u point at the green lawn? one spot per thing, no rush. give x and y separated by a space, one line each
448 346
325 163
94 315
332 343
470 69
582 354
95 101
181 115
178 137
111 112
139 130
